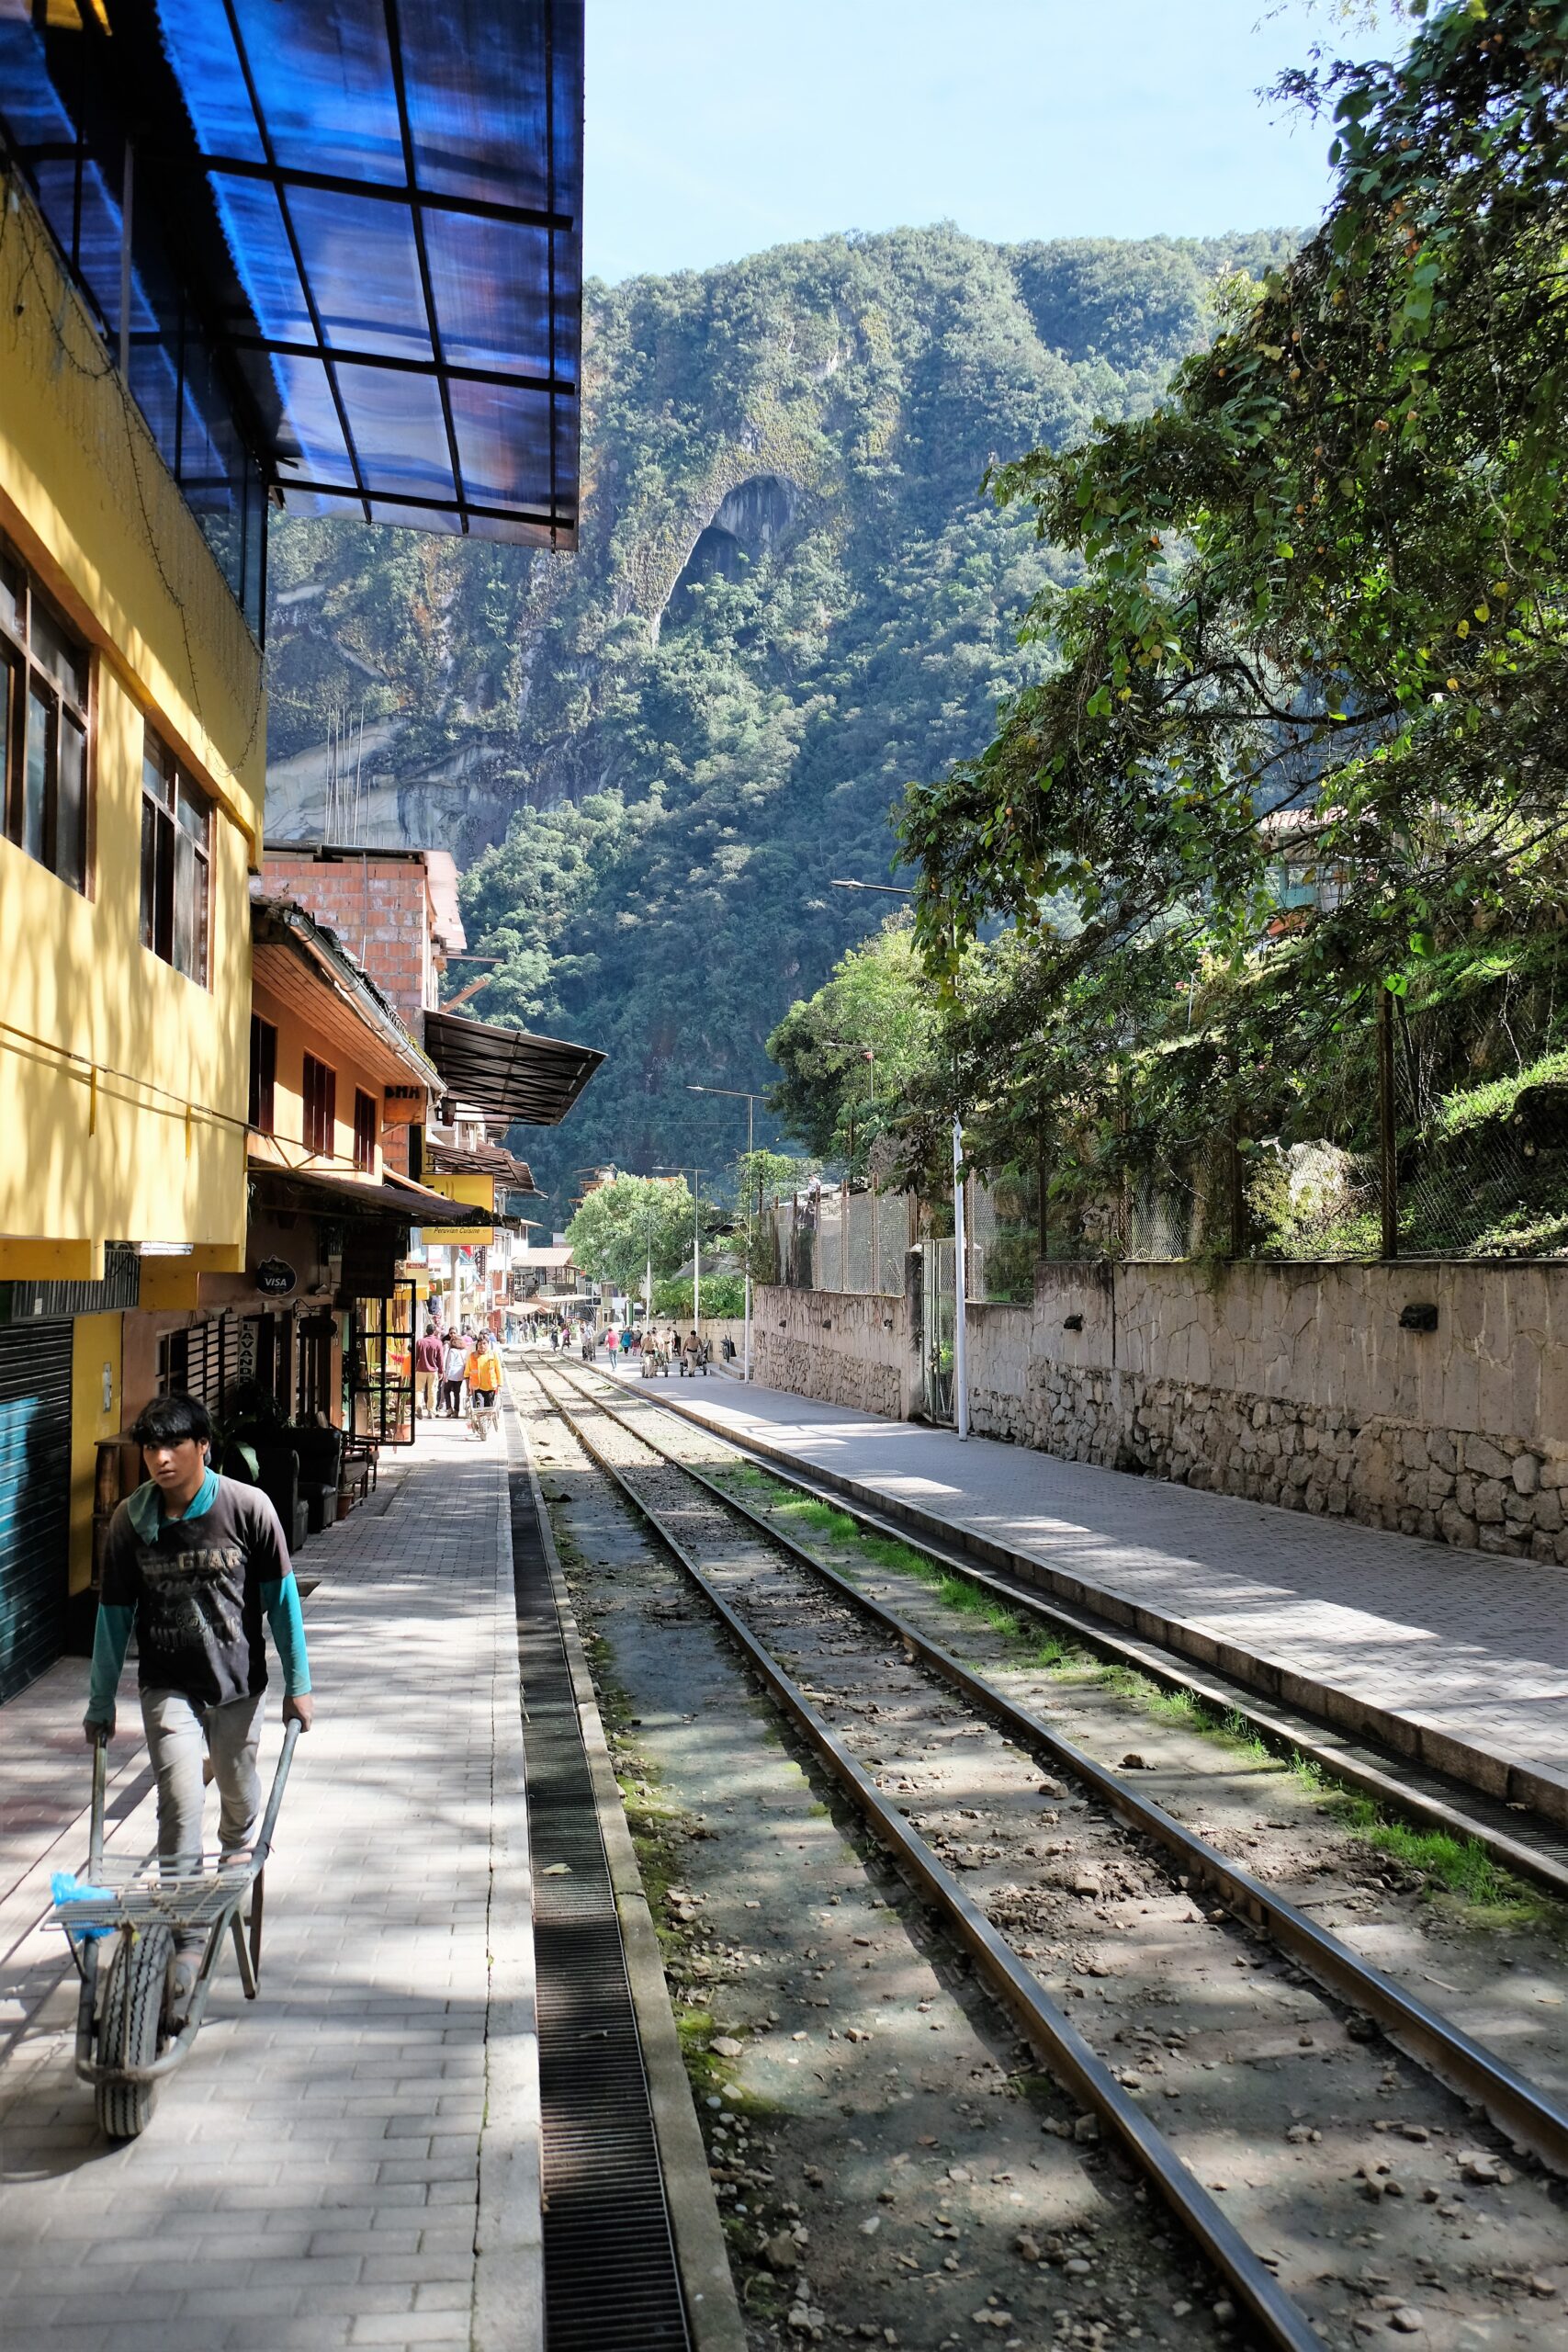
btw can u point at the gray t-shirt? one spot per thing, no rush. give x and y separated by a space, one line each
197 1592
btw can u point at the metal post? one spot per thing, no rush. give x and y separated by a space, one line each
127 193
1041 1199
696 1252
960 1290
1388 1165
750 1107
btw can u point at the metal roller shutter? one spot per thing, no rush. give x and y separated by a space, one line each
35 1499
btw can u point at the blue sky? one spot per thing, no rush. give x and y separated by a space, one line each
716 128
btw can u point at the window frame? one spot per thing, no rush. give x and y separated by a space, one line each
367 1131
29 675
261 1114
170 798
317 1104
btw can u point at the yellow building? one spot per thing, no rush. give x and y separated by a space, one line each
207 309
134 766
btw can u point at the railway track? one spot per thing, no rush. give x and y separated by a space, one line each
805 1631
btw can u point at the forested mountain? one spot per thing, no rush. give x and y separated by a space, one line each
791 596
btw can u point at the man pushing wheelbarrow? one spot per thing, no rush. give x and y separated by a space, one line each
193 1565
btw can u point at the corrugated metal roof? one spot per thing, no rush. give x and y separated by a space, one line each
534 1079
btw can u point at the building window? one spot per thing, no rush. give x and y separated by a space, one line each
264 1074
366 1128
320 1090
44 683
177 861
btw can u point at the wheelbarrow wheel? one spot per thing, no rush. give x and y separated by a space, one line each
131 2028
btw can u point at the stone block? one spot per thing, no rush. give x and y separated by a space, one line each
1455 1527
1549 1511
1441 1451
1488 1503
1484 1459
1527 1472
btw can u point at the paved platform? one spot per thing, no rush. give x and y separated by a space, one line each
319 2173
1469 1650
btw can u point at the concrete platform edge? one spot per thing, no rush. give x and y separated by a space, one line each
508 2312
1505 1779
712 2306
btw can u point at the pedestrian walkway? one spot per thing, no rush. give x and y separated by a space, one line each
1469 1650
319 2171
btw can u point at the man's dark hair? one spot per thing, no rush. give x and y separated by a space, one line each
168 1419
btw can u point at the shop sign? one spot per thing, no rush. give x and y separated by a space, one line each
276 1278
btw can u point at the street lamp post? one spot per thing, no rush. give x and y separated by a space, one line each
696 1252
960 1272
740 1094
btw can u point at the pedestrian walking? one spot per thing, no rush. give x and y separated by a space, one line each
454 1370
628 1337
484 1386
193 1563
427 1372
612 1341
688 1355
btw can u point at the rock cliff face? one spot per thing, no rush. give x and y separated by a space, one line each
791 596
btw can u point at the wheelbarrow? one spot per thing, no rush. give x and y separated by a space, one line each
128 2040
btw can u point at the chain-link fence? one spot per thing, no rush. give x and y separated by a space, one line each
1437 1129
833 1238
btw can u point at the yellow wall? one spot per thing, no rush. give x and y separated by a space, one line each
294 1040
94 1342
89 506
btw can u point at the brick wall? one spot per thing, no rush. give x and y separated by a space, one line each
378 907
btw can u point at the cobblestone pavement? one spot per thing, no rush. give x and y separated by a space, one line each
312 2177
1471 1645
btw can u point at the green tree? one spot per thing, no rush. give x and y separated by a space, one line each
624 1223
850 1052
1319 605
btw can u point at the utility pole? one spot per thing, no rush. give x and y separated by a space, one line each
740 1094
960 1290
696 1252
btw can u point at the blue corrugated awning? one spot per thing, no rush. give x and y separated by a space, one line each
375 209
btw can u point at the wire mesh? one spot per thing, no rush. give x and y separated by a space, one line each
892 1242
827 1268
859 1215
1005 1239
1481 1156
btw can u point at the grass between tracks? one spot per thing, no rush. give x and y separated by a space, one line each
1459 1867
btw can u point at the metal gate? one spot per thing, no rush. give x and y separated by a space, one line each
35 1499
383 1369
938 1324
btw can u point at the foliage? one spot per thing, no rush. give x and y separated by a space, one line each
850 1051
657 753
1304 723
722 1296
623 1222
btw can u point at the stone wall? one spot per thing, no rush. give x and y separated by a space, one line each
1293 1385
842 1349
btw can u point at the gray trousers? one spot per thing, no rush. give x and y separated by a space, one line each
179 1733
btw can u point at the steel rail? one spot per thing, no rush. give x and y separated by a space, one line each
1049 2031
1166 1666
1528 2116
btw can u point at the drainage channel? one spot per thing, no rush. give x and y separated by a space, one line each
610 2280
